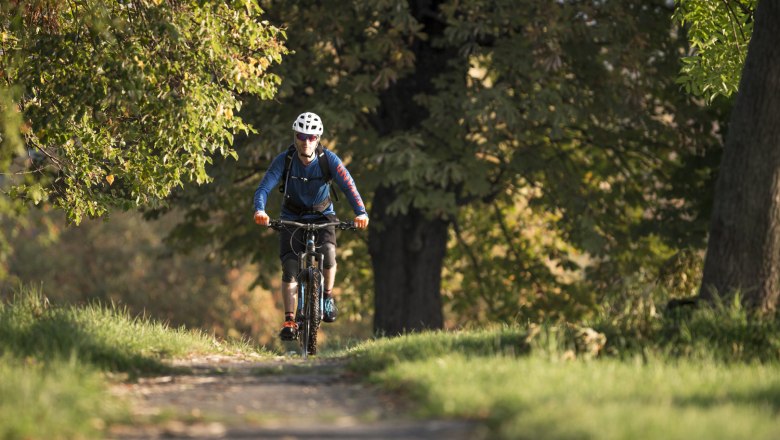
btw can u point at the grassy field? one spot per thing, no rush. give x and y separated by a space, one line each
709 373
54 363
524 384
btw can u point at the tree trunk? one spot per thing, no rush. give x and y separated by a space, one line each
743 252
408 250
407 253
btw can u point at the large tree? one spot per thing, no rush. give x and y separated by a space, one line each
743 253
114 104
441 105
547 104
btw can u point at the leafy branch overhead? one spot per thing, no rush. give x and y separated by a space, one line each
114 104
718 32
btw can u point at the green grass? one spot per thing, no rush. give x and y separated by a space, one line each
723 331
54 400
107 337
544 382
534 397
54 363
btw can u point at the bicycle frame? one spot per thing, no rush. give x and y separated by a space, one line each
309 310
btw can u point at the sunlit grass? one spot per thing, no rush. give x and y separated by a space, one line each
535 397
537 382
107 337
54 360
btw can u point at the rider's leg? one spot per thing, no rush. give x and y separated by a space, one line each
288 297
289 290
289 285
330 280
329 267
329 275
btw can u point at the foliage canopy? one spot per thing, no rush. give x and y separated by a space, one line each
554 141
116 103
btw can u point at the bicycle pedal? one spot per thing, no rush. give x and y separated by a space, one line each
288 334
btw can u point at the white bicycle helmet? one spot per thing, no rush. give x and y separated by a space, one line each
308 123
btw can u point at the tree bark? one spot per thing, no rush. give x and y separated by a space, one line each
407 253
408 250
743 252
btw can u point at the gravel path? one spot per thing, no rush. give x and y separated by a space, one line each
284 398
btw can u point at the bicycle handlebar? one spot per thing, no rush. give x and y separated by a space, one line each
278 224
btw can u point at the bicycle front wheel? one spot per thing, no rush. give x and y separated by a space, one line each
304 327
313 312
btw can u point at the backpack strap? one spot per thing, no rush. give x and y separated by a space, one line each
324 168
303 210
286 170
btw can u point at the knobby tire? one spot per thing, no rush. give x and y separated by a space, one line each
304 333
316 313
311 314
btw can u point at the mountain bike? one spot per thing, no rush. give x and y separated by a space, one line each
310 279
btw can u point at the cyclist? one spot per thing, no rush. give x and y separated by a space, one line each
307 199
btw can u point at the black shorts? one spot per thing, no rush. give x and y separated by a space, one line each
289 248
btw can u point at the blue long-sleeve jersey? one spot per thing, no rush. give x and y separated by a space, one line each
306 186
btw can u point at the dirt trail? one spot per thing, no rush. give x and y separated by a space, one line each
239 398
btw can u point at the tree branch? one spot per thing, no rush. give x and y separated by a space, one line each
505 231
733 24
474 263
51 157
746 9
